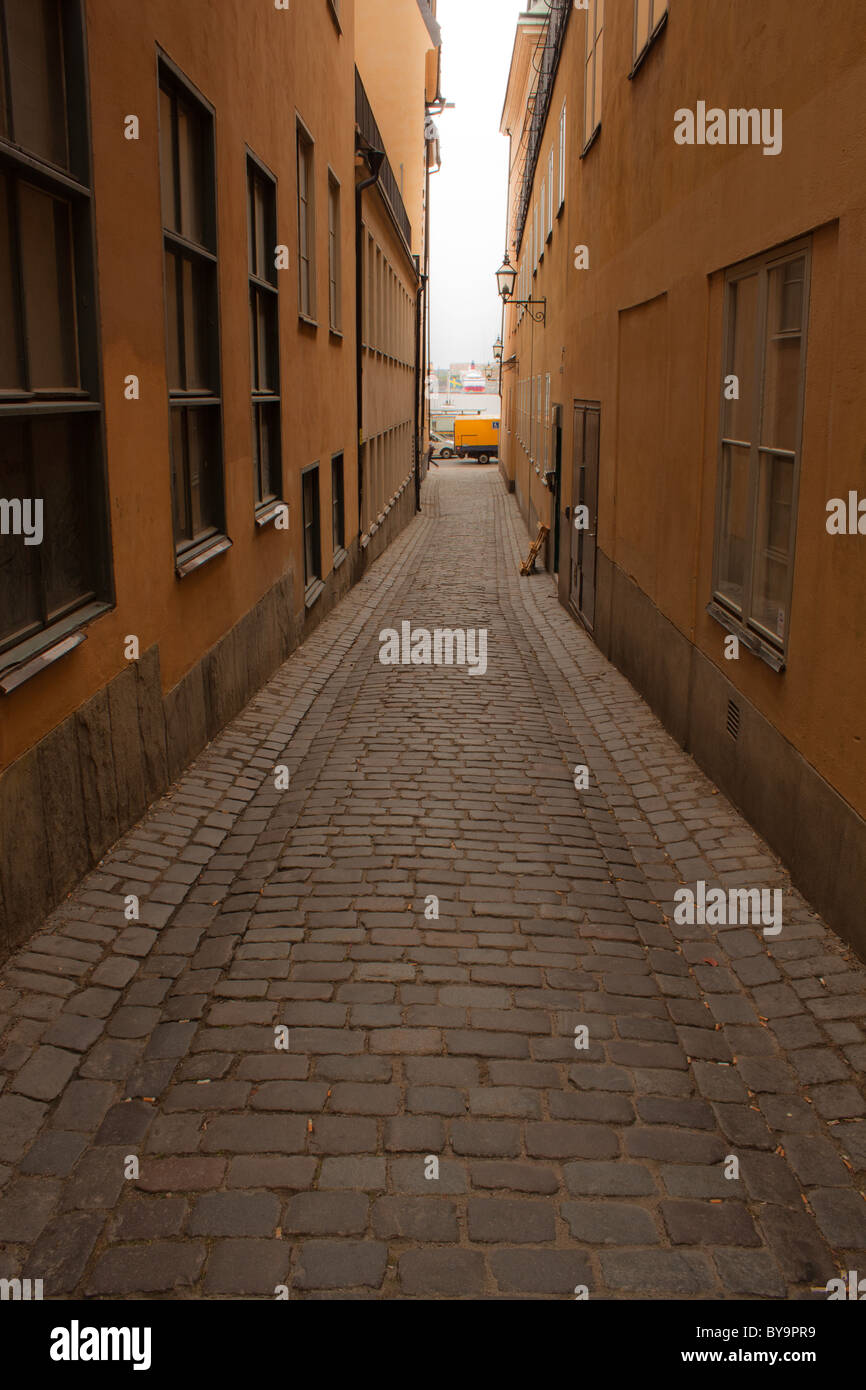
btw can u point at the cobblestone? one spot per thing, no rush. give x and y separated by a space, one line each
432 1126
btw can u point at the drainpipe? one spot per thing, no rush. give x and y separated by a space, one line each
420 380
374 159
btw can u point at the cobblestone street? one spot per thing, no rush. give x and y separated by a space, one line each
411 1037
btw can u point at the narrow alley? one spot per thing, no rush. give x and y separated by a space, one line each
420 1023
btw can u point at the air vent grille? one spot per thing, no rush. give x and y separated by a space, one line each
733 720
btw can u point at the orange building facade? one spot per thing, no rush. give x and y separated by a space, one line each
181 386
683 411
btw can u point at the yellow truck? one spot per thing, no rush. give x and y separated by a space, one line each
476 438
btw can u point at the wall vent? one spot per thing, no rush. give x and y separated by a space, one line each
733 720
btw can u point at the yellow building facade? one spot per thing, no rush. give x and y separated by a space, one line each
683 205
182 384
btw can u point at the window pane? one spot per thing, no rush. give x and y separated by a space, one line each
265 328
179 490
311 524
64 476
254 342
36 78
733 524
264 253
19 563
10 366
775 498
190 149
266 447
642 31
587 101
196 279
596 112
780 423
172 317
205 504
337 502
46 252
167 163
4 124
740 358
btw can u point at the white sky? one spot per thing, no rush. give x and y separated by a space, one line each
468 197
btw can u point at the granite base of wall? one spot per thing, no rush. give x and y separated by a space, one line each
66 801
401 513
816 833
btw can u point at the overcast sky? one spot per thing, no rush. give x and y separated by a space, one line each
468 197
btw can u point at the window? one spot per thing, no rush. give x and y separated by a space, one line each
542 210
335 317
186 156
51 453
338 504
563 120
264 334
648 16
312 541
766 307
547 423
593 74
306 227
550 194
536 244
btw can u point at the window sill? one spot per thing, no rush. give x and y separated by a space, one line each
20 663
268 512
339 556
193 560
312 592
335 17
561 209
310 322
642 56
750 640
591 141
336 333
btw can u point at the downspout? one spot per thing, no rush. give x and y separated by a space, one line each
426 365
419 384
375 160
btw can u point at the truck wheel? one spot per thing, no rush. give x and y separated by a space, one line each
483 458
445 454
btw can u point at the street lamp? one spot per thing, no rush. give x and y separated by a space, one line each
505 278
497 350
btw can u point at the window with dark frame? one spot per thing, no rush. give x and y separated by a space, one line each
593 71
312 533
766 313
338 503
648 17
51 447
306 227
187 174
264 334
335 317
